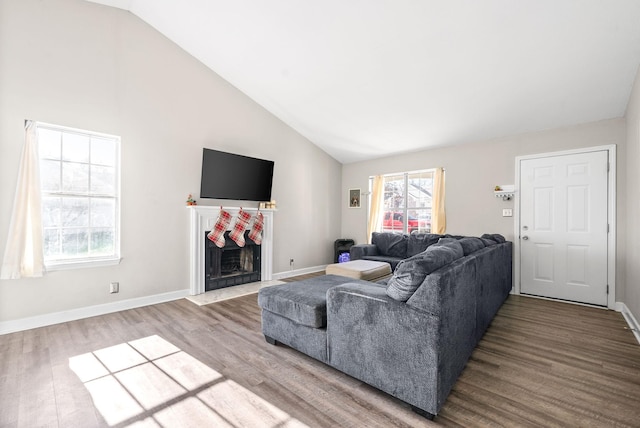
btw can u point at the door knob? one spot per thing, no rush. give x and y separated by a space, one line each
526 238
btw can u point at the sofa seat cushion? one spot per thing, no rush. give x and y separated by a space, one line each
393 261
303 302
411 272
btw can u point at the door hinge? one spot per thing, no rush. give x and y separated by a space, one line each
607 289
608 228
608 166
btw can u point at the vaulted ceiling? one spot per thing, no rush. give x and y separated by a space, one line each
368 78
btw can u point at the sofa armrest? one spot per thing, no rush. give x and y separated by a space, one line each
357 252
384 343
372 293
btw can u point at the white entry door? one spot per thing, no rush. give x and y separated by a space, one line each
563 227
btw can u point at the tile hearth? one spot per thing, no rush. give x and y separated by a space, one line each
230 292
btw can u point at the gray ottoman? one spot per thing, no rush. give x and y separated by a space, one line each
295 313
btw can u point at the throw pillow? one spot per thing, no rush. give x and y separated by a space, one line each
411 273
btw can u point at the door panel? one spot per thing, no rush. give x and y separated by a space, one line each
543 206
578 207
577 258
544 262
563 218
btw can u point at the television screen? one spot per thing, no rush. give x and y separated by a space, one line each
231 176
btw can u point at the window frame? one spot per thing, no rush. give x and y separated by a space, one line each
404 210
87 261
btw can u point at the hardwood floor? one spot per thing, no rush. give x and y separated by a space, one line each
541 363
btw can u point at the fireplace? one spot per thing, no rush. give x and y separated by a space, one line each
231 264
203 218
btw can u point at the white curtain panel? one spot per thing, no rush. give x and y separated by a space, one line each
377 196
438 216
23 254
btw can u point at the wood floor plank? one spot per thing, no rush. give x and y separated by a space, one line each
540 363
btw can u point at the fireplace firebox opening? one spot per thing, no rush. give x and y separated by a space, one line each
231 264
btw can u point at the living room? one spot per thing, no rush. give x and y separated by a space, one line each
89 66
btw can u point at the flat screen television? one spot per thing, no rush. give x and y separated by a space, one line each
231 176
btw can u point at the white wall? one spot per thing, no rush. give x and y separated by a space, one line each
632 253
472 172
88 66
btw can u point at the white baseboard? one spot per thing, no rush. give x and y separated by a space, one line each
631 320
296 272
86 312
21 324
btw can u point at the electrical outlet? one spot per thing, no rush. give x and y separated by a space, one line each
290 262
114 287
507 212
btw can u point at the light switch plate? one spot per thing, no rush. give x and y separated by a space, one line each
507 212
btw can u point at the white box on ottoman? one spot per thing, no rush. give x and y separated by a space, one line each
367 270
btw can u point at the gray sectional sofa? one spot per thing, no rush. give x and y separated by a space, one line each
409 337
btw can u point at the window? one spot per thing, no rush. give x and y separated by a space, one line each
406 205
79 175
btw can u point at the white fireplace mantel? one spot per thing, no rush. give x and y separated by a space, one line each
202 219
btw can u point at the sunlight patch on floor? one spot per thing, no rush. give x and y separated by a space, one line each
149 382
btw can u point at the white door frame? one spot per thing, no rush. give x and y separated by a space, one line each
611 216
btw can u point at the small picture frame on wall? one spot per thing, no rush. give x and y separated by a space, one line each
354 198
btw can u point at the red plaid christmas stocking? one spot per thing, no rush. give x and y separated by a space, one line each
237 233
217 233
256 230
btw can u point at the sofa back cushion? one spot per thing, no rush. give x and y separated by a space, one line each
390 244
418 242
494 237
452 244
411 273
488 242
471 245
453 236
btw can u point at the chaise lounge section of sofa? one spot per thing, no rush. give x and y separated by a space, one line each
410 337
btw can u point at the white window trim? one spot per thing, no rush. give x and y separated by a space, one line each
98 261
406 174
81 263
